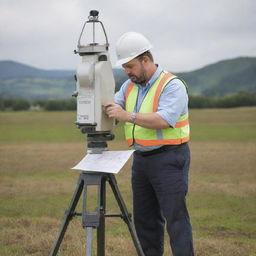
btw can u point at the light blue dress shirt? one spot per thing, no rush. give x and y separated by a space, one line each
173 101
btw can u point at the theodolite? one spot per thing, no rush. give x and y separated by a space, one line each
95 85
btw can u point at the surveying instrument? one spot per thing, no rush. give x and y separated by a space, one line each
95 86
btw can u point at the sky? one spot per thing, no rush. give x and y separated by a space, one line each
185 34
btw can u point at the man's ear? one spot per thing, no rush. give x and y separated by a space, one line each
145 58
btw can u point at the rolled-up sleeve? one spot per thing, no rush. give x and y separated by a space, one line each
173 102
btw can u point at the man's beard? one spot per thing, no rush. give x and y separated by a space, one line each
138 80
141 79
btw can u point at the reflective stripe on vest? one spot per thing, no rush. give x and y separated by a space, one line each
153 137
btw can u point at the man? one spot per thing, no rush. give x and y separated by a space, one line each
154 106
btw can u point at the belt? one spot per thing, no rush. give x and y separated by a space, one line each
158 150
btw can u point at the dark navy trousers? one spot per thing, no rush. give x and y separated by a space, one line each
160 184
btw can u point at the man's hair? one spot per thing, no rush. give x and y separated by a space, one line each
148 54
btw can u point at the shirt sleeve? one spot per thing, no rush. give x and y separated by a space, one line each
120 95
173 102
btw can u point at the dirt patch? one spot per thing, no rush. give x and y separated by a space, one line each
223 232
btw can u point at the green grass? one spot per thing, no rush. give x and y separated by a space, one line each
37 150
29 126
237 124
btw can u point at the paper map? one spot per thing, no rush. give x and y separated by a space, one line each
108 161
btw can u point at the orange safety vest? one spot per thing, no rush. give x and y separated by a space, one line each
154 137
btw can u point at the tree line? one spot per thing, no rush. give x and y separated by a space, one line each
240 99
235 100
48 105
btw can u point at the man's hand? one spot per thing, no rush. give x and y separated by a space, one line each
146 120
116 111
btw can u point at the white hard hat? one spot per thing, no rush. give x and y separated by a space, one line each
131 45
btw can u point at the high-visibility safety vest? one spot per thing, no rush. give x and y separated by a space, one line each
153 137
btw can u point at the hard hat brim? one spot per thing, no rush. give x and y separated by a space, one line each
123 61
126 60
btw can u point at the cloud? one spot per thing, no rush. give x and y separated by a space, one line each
186 34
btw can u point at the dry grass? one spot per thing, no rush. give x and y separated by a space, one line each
36 186
37 151
227 167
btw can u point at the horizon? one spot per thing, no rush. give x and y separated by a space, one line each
113 67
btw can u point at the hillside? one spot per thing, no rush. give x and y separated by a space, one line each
15 70
18 80
223 78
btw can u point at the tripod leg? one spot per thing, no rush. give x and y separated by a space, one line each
67 217
127 218
101 227
89 234
96 218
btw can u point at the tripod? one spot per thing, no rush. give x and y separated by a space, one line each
95 219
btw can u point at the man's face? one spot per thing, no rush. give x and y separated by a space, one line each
136 71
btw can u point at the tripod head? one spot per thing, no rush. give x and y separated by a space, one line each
95 86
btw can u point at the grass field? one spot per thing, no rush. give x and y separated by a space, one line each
38 149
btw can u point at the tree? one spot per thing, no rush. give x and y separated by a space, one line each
2 104
53 105
20 104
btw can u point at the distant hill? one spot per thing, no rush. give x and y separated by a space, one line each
18 80
14 70
223 78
